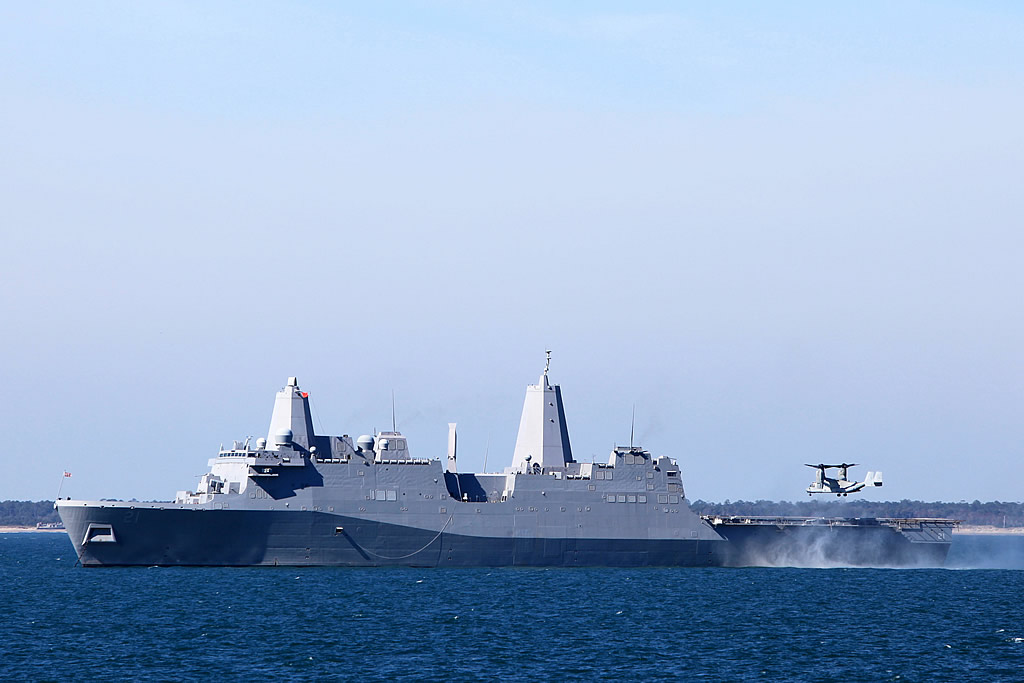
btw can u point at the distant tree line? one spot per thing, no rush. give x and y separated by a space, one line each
26 513
994 513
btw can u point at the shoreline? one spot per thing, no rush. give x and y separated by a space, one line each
27 529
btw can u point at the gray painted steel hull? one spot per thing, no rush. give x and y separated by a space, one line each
861 543
153 536
168 537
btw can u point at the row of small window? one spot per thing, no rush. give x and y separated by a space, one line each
607 474
663 498
625 498
650 487
383 495
634 459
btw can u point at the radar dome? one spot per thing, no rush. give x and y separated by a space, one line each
261 444
365 442
283 437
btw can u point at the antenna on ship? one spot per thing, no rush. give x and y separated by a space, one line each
632 421
317 413
547 363
394 425
487 447
67 474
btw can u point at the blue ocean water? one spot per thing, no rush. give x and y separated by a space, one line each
61 622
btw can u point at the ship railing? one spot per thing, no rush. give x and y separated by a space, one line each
780 520
899 523
406 461
919 522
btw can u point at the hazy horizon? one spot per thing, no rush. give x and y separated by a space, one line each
786 234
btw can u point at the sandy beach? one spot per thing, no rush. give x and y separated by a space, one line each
26 529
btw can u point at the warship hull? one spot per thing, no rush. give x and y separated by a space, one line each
838 541
112 536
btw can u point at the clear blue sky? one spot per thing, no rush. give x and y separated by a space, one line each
789 233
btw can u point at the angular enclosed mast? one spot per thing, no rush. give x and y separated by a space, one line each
543 438
291 421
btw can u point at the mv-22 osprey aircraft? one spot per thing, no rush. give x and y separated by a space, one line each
840 485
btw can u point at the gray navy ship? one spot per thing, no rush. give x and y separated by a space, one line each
297 498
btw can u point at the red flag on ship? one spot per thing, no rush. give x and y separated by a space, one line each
67 474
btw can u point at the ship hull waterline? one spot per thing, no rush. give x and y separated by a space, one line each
245 538
153 536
